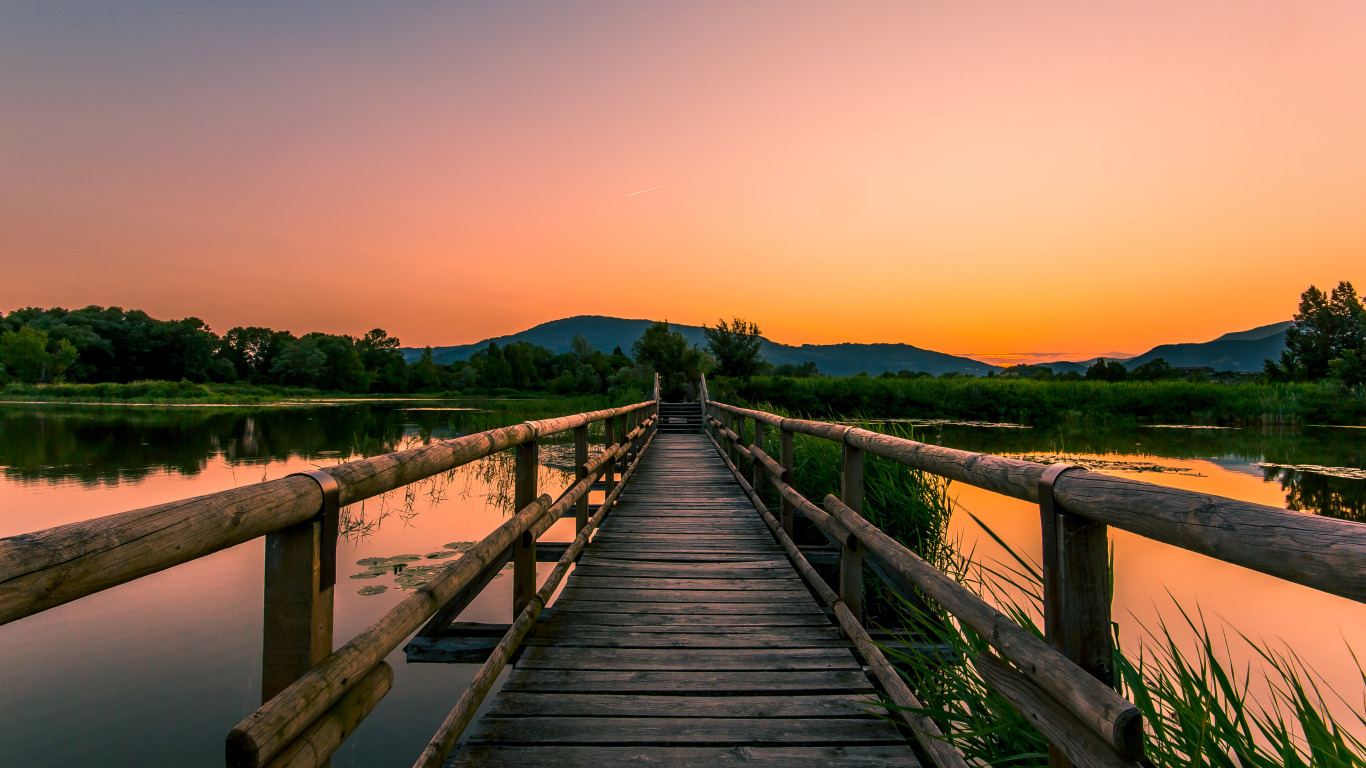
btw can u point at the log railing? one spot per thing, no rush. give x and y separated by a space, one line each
1064 685
314 697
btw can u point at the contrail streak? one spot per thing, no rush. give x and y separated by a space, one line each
651 189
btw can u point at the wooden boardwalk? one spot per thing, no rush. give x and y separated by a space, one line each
684 637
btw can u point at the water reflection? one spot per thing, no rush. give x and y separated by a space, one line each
1239 451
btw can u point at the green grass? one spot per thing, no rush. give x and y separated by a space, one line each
1199 710
1055 402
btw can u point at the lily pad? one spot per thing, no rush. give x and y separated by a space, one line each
373 589
370 574
441 555
460 546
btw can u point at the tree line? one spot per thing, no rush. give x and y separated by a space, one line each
109 344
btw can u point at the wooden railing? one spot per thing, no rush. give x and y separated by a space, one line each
314 697
1065 686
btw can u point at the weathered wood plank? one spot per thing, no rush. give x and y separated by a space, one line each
620 637
631 705
717 682
767 597
494 756
660 731
664 659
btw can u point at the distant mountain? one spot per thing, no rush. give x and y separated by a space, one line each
1257 334
607 333
1242 351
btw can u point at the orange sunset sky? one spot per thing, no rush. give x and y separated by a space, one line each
972 176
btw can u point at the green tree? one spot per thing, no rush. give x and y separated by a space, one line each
1326 327
1153 370
383 361
424 376
736 346
678 363
581 348
1103 371
252 350
25 355
301 364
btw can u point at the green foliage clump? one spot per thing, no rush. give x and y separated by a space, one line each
679 364
1041 403
1196 709
736 346
1328 339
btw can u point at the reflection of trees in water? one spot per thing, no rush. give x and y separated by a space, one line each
106 445
1340 497
98 445
492 477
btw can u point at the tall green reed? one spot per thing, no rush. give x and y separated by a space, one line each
1199 709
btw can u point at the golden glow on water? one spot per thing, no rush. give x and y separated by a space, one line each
1152 578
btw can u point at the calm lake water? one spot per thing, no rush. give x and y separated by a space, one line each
158 670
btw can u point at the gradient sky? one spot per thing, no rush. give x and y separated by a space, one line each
971 176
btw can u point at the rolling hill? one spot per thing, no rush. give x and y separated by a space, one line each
607 333
1240 351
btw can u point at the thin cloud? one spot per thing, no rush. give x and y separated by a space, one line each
651 189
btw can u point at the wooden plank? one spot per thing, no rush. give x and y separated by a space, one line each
641 621
765 597
618 637
630 705
659 582
496 756
710 659
693 682
661 731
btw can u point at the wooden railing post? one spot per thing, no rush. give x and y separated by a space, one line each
851 551
609 439
738 426
1076 572
524 550
786 458
580 458
300 581
759 471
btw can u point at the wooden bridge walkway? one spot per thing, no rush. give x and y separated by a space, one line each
684 637
691 629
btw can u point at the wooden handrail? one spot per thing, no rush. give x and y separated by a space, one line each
1092 702
47 568
1318 552
258 739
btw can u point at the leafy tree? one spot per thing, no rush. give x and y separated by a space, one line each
424 375
301 363
383 362
1153 370
25 354
1326 327
678 363
342 366
736 347
1103 371
252 350
806 370
581 348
